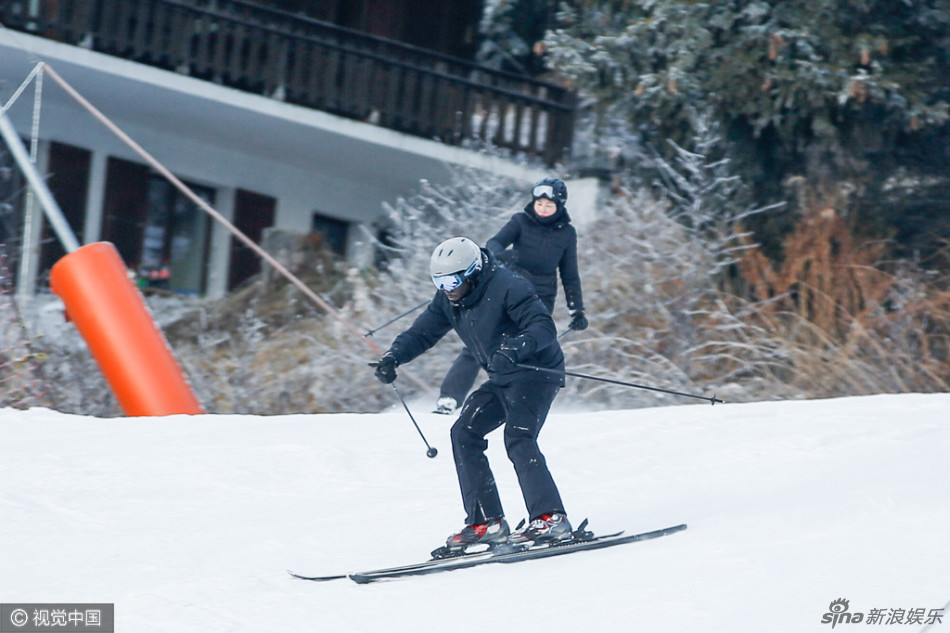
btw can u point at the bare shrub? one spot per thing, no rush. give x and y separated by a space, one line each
21 382
266 349
849 322
678 296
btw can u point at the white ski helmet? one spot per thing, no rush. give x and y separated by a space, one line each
457 255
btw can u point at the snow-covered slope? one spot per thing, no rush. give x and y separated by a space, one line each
189 524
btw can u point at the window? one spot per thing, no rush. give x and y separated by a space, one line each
68 181
253 212
12 187
333 232
160 233
176 237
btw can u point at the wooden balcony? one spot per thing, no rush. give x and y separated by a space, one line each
319 65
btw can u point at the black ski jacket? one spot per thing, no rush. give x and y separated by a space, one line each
501 305
542 247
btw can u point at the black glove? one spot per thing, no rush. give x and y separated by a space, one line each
510 353
507 258
578 321
386 368
503 360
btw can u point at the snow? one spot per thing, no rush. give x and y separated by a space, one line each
190 523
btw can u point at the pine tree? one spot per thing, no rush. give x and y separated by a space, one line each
850 95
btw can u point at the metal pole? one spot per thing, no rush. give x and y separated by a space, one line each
394 319
712 399
432 451
207 208
53 213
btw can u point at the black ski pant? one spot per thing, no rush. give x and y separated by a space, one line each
522 408
458 382
464 370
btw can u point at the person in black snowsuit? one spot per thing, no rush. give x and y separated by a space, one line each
504 324
543 243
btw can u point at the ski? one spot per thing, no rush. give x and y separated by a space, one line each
409 567
316 578
442 555
540 551
467 560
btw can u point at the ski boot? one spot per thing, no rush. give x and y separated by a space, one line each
493 532
549 528
445 405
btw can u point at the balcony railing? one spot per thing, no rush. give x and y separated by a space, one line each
316 64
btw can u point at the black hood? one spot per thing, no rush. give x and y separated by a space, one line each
559 218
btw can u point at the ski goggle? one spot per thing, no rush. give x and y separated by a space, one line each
543 191
448 282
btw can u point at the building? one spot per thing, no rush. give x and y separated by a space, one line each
274 117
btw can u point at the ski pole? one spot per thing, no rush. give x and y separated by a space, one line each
394 319
712 399
432 451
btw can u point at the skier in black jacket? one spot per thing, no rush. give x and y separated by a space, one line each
543 243
499 317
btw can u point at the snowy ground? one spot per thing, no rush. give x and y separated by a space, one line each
189 524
